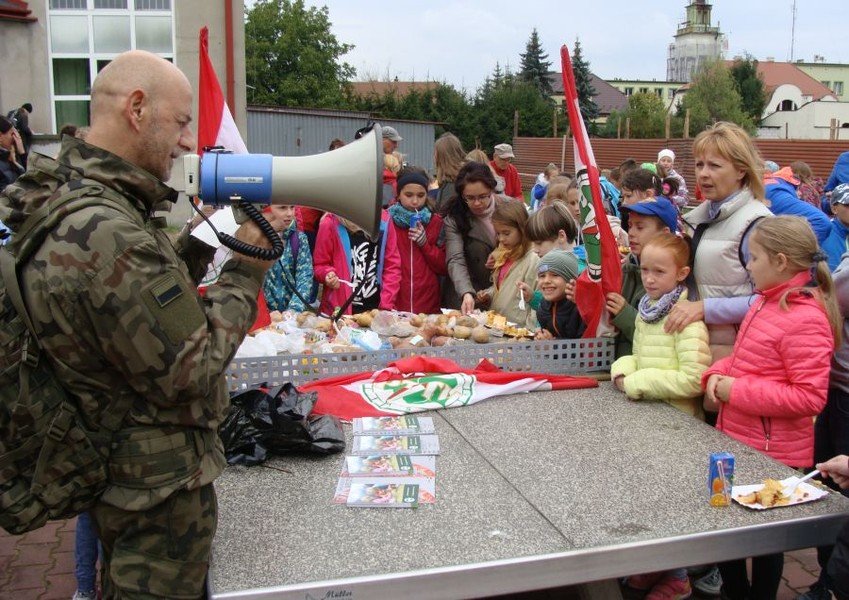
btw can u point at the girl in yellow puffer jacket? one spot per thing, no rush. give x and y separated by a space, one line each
664 366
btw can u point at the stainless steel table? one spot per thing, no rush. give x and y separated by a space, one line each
533 491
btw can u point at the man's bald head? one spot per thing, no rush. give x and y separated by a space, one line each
141 108
130 71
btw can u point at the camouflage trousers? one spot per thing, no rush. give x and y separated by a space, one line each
162 552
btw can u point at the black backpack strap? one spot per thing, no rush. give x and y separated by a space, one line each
746 232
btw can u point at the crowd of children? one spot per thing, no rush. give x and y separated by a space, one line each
688 279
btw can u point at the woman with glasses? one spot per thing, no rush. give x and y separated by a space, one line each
470 235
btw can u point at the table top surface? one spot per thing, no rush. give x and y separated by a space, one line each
534 490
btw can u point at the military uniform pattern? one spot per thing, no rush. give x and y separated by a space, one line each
162 552
118 313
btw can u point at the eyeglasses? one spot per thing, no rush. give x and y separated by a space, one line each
480 199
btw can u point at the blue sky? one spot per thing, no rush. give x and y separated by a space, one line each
460 41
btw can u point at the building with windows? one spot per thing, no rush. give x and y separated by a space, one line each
696 42
834 76
53 49
668 91
799 106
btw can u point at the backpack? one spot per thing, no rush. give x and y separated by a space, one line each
52 465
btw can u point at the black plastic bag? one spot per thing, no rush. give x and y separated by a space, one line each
259 424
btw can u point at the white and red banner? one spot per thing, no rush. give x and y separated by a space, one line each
216 127
421 383
604 272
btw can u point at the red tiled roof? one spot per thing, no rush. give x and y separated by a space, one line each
15 10
401 88
779 73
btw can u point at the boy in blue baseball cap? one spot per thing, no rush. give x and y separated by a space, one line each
646 219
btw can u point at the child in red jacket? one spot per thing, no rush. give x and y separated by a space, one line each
345 259
417 231
776 379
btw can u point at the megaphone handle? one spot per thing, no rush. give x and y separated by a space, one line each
246 249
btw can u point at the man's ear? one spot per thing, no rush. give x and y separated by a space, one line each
136 109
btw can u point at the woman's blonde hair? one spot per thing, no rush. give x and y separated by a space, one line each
449 156
477 155
732 143
391 162
794 238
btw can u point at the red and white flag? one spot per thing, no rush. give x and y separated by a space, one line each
216 126
604 272
421 383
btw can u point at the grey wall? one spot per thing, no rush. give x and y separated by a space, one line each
293 132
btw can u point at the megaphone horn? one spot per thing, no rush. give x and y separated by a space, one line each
347 181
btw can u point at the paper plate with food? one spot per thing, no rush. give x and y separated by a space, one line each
771 494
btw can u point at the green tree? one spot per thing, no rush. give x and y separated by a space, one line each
648 118
495 106
440 103
750 85
583 83
713 97
291 56
534 65
647 114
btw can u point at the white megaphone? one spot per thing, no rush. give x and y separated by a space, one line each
347 181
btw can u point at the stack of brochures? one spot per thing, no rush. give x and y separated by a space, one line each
393 463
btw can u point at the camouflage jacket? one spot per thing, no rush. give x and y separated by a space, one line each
118 312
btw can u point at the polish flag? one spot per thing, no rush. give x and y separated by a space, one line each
216 127
421 383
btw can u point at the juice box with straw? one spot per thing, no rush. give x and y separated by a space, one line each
720 478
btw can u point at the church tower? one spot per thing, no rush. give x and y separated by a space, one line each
696 41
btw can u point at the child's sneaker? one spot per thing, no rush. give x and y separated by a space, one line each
710 583
671 588
78 595
643 582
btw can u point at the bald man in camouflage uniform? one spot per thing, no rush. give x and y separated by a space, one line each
120 317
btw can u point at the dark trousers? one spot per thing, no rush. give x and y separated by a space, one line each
831 437
766 577
161 552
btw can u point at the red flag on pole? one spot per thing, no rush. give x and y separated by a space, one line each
216 127
603 273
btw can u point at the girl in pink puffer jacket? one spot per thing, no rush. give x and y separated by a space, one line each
776 379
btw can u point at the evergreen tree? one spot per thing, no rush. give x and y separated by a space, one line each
713 97
534 66
583 83
494 109
750 86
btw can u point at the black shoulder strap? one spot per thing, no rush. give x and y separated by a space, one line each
746 231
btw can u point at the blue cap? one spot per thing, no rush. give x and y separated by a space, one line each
657 207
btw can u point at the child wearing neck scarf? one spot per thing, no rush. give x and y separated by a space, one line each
417 230
664 366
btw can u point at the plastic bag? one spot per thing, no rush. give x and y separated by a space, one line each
259 424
